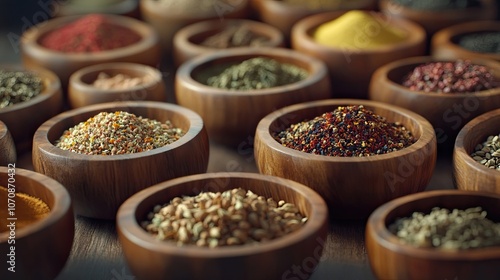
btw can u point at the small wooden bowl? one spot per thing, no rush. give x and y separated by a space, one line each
24 118
120 7
433 21
149 258
7 146
41 248
99 184
187 41
283 15
447 112
146 51
350 71
391 259
81 92
467 173
445 43
352 186
231 116
167 22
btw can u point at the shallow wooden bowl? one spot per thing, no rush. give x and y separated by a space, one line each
24 118
149 258
187 41
467 173
41 248
81 92
352 186
447 112
433 21
118 7
350 71
99 184
445 43
231 116
167 22
146 51
391 259
7 147
284 15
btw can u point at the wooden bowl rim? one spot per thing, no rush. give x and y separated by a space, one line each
62 202
459 147
445 14
302 28
388 240
195 128
3 130
29 39
164 13
51 83
182 38
129 227
122 7
383 71
75 80
420 145
183 75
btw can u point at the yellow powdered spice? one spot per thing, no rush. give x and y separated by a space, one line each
359 30
28 209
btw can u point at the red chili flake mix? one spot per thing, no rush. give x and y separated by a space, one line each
460 76
117 133
348 131
91 33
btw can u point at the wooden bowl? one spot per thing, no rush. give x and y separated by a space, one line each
391 259
24 118
146 51
350 71
41 248
7 146
447 112
433 21
231 116
99 184
81 92
283 15
187 41
149 258
167 21
467 173
445 43
352 186
117 7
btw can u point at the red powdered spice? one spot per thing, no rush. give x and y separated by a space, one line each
91 33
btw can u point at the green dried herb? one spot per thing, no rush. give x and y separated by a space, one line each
18 86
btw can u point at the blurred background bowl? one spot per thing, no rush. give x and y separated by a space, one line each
99 184
231 116
80 7
42 247
150 258
7 146
467 173
391 259
24 118
146 51
445 43
82 92
447 112
352 186
187 41
350 71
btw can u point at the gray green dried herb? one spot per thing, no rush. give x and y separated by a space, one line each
18 86
235 36
488 152
214 219
116 133
448 229
483 42
438 5
257 73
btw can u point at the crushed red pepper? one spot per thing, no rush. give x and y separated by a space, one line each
348 131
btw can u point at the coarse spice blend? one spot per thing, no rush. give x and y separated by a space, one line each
18 86
120 81
257 73
233 217
348 131
116 133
